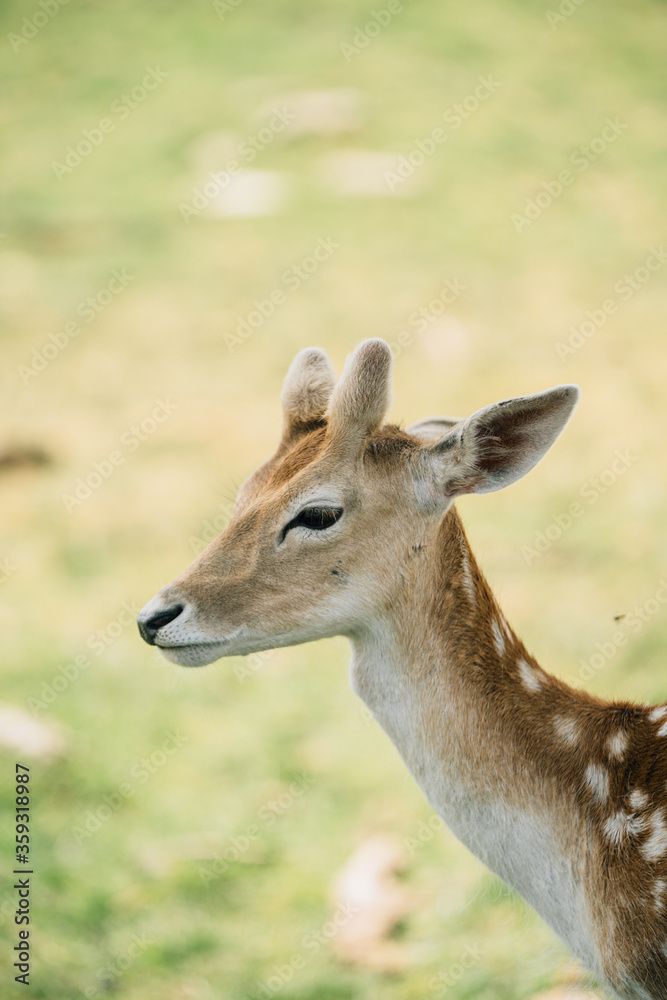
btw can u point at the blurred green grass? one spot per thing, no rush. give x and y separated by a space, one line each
248 738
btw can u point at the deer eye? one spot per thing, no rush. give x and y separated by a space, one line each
315 518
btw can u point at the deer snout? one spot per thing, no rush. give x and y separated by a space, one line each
156 615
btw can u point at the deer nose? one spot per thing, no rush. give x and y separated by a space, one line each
150 625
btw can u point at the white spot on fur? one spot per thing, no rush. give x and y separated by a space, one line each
498 638
658 713
566 729
617 744
468 581
658 892
656 845
638 799
663 730
597 778
529 676
622 825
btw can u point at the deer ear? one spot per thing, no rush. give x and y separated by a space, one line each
498 445
306 391
362 396
433 427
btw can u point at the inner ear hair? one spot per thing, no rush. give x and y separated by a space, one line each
498 445
431 428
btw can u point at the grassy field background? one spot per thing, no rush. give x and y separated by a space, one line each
134 898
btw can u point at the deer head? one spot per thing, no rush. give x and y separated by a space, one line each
320 537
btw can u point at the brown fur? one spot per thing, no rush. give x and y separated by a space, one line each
533 764
496 724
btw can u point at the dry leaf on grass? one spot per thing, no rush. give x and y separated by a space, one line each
369 887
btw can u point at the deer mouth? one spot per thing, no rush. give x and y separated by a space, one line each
195 654
241 642
199 652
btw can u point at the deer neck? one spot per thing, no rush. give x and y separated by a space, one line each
463 702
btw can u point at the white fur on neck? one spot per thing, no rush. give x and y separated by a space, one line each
518 846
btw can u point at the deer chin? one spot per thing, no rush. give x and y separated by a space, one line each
242 642
196 654
201 651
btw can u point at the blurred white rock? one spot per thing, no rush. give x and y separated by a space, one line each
338 111
158 858
364 173
251 193
25 735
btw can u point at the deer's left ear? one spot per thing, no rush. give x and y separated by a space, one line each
501 443
307 390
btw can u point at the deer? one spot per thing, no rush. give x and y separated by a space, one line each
351 529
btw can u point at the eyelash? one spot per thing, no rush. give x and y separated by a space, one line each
315 519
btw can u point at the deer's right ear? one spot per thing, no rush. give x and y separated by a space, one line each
498 445
306 392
